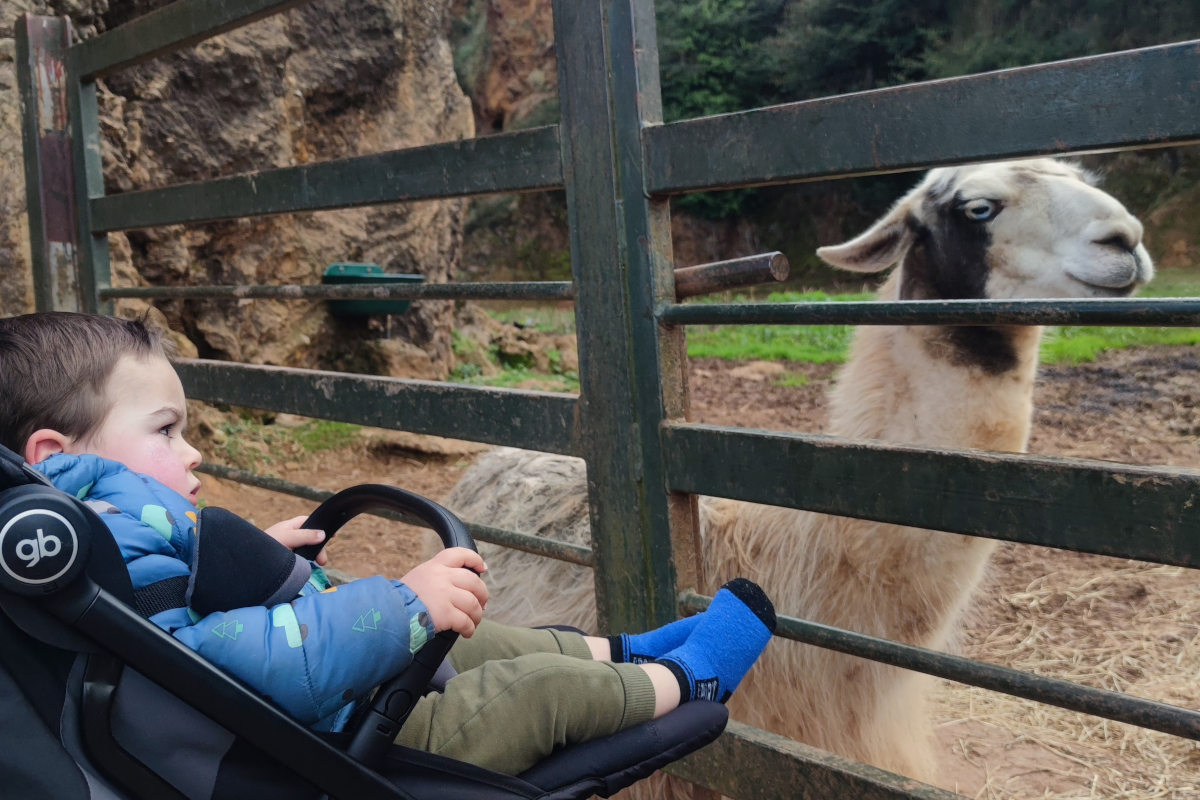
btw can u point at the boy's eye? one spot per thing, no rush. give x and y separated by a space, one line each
165 430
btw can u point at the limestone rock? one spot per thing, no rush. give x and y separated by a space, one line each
401 359
506 59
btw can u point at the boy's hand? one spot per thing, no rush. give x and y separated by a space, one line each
454 596
289 534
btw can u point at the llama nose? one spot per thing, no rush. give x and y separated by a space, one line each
1120 230
1121 241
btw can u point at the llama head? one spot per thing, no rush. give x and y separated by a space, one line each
1005 230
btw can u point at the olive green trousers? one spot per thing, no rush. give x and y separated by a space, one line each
521 695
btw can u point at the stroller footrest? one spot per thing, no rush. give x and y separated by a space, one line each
605 766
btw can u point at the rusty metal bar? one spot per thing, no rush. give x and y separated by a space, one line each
180 24
738 273
1051 691
42 44
537 545
526 290
1135 312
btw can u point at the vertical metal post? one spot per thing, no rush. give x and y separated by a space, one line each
89 184
42 44
631 370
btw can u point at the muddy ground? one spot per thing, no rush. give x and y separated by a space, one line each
1105 622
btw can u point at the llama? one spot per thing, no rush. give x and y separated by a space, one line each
1024 229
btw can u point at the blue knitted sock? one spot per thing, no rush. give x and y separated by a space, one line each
732 633
642 648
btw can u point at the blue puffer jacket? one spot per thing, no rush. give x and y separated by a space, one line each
312 656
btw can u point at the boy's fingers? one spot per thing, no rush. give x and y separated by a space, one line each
322 558
467 603
471 582
463 624
461 557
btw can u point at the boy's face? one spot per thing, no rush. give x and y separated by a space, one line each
144 429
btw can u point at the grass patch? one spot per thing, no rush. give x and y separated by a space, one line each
511 377
815 344
545 319
322 434
790 379
1078 345
252 445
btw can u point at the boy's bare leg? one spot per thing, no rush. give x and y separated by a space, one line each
601 649
666 688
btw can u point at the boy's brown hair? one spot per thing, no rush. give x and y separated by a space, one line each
54 368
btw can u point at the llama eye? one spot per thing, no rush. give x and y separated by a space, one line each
980 210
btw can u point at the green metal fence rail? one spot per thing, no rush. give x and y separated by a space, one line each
619 164
538 545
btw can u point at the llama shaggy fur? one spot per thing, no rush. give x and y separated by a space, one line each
1011 230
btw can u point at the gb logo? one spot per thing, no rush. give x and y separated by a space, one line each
38 546
31 551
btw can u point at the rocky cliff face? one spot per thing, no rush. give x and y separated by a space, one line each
332 79
16 283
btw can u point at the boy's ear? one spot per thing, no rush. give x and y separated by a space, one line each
43 444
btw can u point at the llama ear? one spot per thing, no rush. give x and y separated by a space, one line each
883 244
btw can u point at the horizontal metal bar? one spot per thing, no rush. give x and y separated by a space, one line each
1166 312
689 281
526 290
738 273
746 762
1124 100
181 24
1051 691
543 421
1144 513
511 162
537 545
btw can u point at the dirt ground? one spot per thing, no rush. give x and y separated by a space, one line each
1115 624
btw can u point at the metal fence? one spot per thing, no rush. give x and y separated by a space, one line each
619 165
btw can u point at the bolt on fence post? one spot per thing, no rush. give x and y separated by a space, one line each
42 44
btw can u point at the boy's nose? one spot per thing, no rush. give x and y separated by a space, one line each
192 456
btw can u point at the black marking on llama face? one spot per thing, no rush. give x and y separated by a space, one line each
949 261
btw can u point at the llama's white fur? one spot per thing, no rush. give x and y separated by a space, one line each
1056 236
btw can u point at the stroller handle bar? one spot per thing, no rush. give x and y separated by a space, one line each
376 726
347 504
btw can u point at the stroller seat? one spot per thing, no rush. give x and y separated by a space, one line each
98 702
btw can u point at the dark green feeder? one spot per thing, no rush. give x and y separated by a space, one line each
366 273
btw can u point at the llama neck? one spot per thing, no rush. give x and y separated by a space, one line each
912 385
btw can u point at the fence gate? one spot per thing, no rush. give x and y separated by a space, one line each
619 165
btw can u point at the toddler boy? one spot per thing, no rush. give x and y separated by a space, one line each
95 405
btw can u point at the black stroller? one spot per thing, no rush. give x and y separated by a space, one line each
98 702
